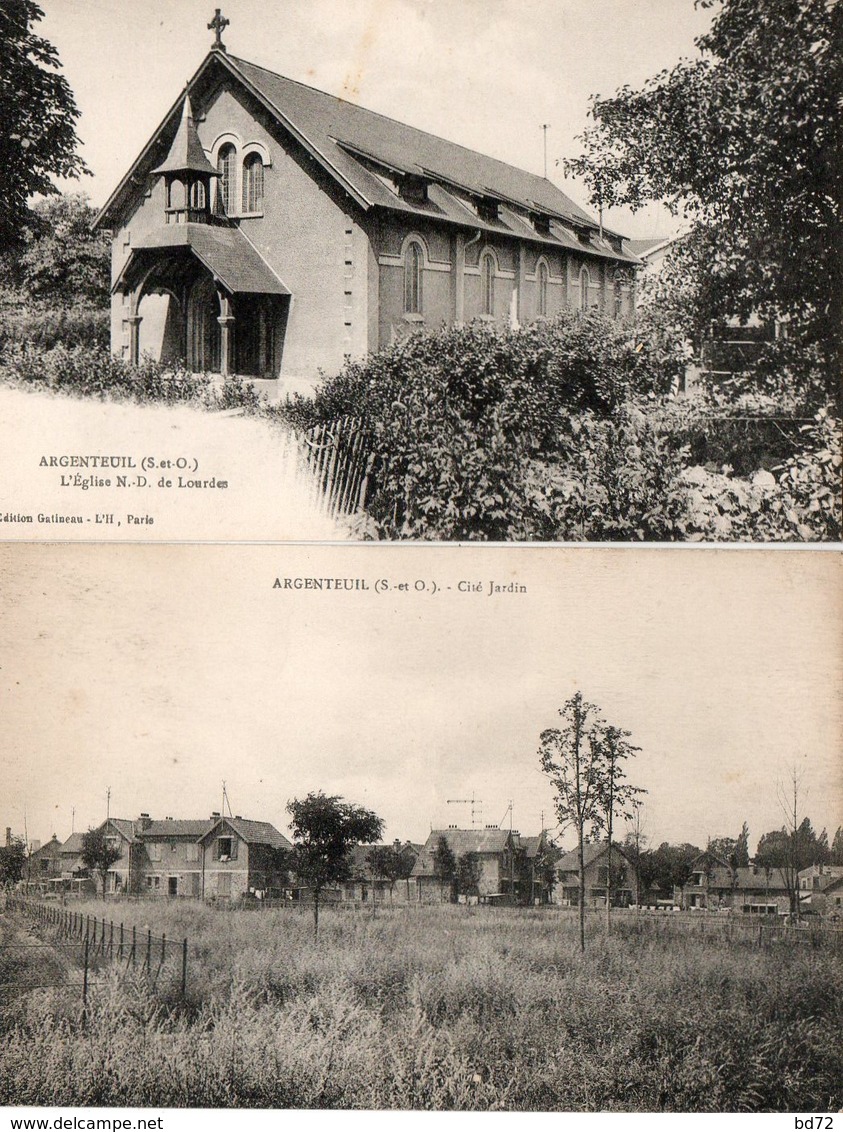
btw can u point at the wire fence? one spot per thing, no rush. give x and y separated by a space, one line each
75 942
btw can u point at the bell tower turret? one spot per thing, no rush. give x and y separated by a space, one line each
187 174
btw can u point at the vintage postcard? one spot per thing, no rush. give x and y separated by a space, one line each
386 270
422 828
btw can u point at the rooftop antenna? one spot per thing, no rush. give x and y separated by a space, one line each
508 810
108 804
72 819
475 803
545 128
225 802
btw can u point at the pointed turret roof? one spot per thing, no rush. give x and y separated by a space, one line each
186 153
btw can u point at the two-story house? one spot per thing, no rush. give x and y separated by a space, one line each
596 863
497 852
271 230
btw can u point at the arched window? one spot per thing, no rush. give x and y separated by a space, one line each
413 266
541 275
253 183
585 283
197 194
487 283
176 193
618 297
227 168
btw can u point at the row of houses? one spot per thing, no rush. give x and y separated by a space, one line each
224 858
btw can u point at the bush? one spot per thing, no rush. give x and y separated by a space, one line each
47 328
96 372
453 418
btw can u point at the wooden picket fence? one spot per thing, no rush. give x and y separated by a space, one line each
335 455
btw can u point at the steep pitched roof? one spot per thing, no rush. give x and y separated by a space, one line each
125 826
73 846
569 863
362 150
252 832
186 153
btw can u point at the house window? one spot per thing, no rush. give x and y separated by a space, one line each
542 278
226 849
253 183
487 283
227 169
413 265
153 882
192 852
585 283
155 852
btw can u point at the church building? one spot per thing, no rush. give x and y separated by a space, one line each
270 230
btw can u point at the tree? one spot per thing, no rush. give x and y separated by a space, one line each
63 261
12 862
324 828
38 115
743 142
445 863
572 762
468 874
389 863
742 848
837 847
634 844
617 796
99 853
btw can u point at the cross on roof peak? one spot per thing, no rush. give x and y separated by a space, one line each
217 24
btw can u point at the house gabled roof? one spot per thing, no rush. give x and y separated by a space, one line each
252 832
124 826
489 842
367 153
570 863
73 846
176 827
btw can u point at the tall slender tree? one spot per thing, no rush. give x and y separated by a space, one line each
572 763
617 795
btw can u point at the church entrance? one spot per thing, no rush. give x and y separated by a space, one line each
203 328
255 333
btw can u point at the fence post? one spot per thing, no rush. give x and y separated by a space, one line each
85 976
184 967
134 943
149 950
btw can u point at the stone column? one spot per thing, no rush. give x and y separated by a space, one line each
134 321
226 321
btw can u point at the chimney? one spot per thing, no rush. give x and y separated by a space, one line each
215 815
144 821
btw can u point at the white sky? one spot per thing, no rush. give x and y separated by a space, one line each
484 73
163 670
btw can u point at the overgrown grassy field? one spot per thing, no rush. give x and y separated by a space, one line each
443 1007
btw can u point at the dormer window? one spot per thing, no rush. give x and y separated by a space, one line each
541 223
488 209
253 183
413 189
226 849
